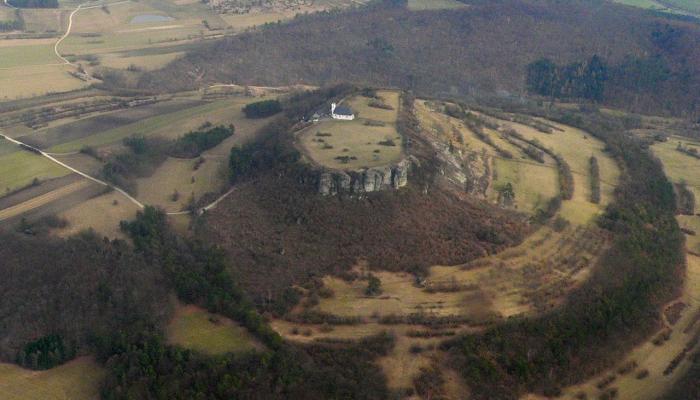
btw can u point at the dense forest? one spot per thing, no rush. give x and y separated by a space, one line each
59 294
645 62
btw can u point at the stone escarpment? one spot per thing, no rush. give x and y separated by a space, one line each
390 177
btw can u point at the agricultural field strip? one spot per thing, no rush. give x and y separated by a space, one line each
127 195
39 201
103 183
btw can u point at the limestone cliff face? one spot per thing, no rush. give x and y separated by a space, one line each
365 180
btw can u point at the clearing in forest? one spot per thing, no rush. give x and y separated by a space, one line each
199 330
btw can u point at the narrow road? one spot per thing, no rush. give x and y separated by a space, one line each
103 183
64 165
70 26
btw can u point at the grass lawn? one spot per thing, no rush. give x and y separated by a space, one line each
420 5
23 56
19 168
199 330
76 380
534 184
328 141
23 82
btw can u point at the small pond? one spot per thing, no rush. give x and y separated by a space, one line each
144 18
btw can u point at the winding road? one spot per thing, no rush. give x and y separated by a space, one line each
70 26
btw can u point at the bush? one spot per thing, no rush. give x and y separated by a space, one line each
595 180
194 143
262 109
374 286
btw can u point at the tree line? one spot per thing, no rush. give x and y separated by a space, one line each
13 25
34 3
610 313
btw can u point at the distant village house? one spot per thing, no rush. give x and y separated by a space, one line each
341 112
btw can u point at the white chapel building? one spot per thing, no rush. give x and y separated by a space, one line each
341 112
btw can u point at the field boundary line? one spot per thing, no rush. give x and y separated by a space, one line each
103 183
84 175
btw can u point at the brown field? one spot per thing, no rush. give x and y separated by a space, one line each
327 140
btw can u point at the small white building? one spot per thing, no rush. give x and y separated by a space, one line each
341 112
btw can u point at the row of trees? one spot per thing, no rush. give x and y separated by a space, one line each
594 176
194 143
34 3
14 24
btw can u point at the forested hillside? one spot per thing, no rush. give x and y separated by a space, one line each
650 61
60 294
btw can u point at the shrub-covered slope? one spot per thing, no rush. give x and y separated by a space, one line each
652 62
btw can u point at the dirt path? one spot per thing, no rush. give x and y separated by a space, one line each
39 201
70 26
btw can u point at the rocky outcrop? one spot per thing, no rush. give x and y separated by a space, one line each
365 180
